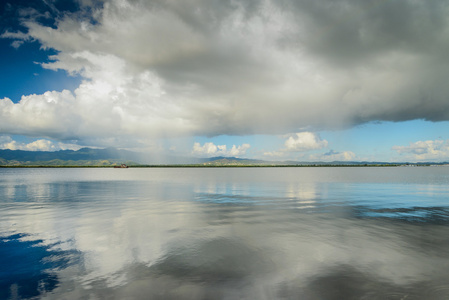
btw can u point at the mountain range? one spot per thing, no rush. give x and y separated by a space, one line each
112 156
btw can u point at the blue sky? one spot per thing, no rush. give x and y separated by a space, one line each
274 80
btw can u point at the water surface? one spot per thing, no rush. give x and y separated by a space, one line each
225 233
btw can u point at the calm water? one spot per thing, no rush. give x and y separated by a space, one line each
226 233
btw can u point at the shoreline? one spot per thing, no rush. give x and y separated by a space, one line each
241 166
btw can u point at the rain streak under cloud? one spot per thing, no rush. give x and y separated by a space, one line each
163 69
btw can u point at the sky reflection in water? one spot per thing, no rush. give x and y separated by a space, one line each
291 233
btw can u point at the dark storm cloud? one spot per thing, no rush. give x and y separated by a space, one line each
249 67
348 32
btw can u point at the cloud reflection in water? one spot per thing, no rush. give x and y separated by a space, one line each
189 236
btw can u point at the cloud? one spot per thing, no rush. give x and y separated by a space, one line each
20 36
210 149
437 150
299 142
334 156
304 141
239 150
6 142
207 68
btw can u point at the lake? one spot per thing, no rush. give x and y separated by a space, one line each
225 233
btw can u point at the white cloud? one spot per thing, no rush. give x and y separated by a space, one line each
437 150
304 141
41 145
206 68
298 142
207 148
239 150
210 149
6 142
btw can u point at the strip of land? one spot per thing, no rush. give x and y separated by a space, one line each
111 157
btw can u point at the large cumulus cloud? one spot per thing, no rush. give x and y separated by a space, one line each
196 67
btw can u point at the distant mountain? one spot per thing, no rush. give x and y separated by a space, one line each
232 161
81 154
113 156
88 157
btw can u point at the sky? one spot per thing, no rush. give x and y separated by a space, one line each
323 80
